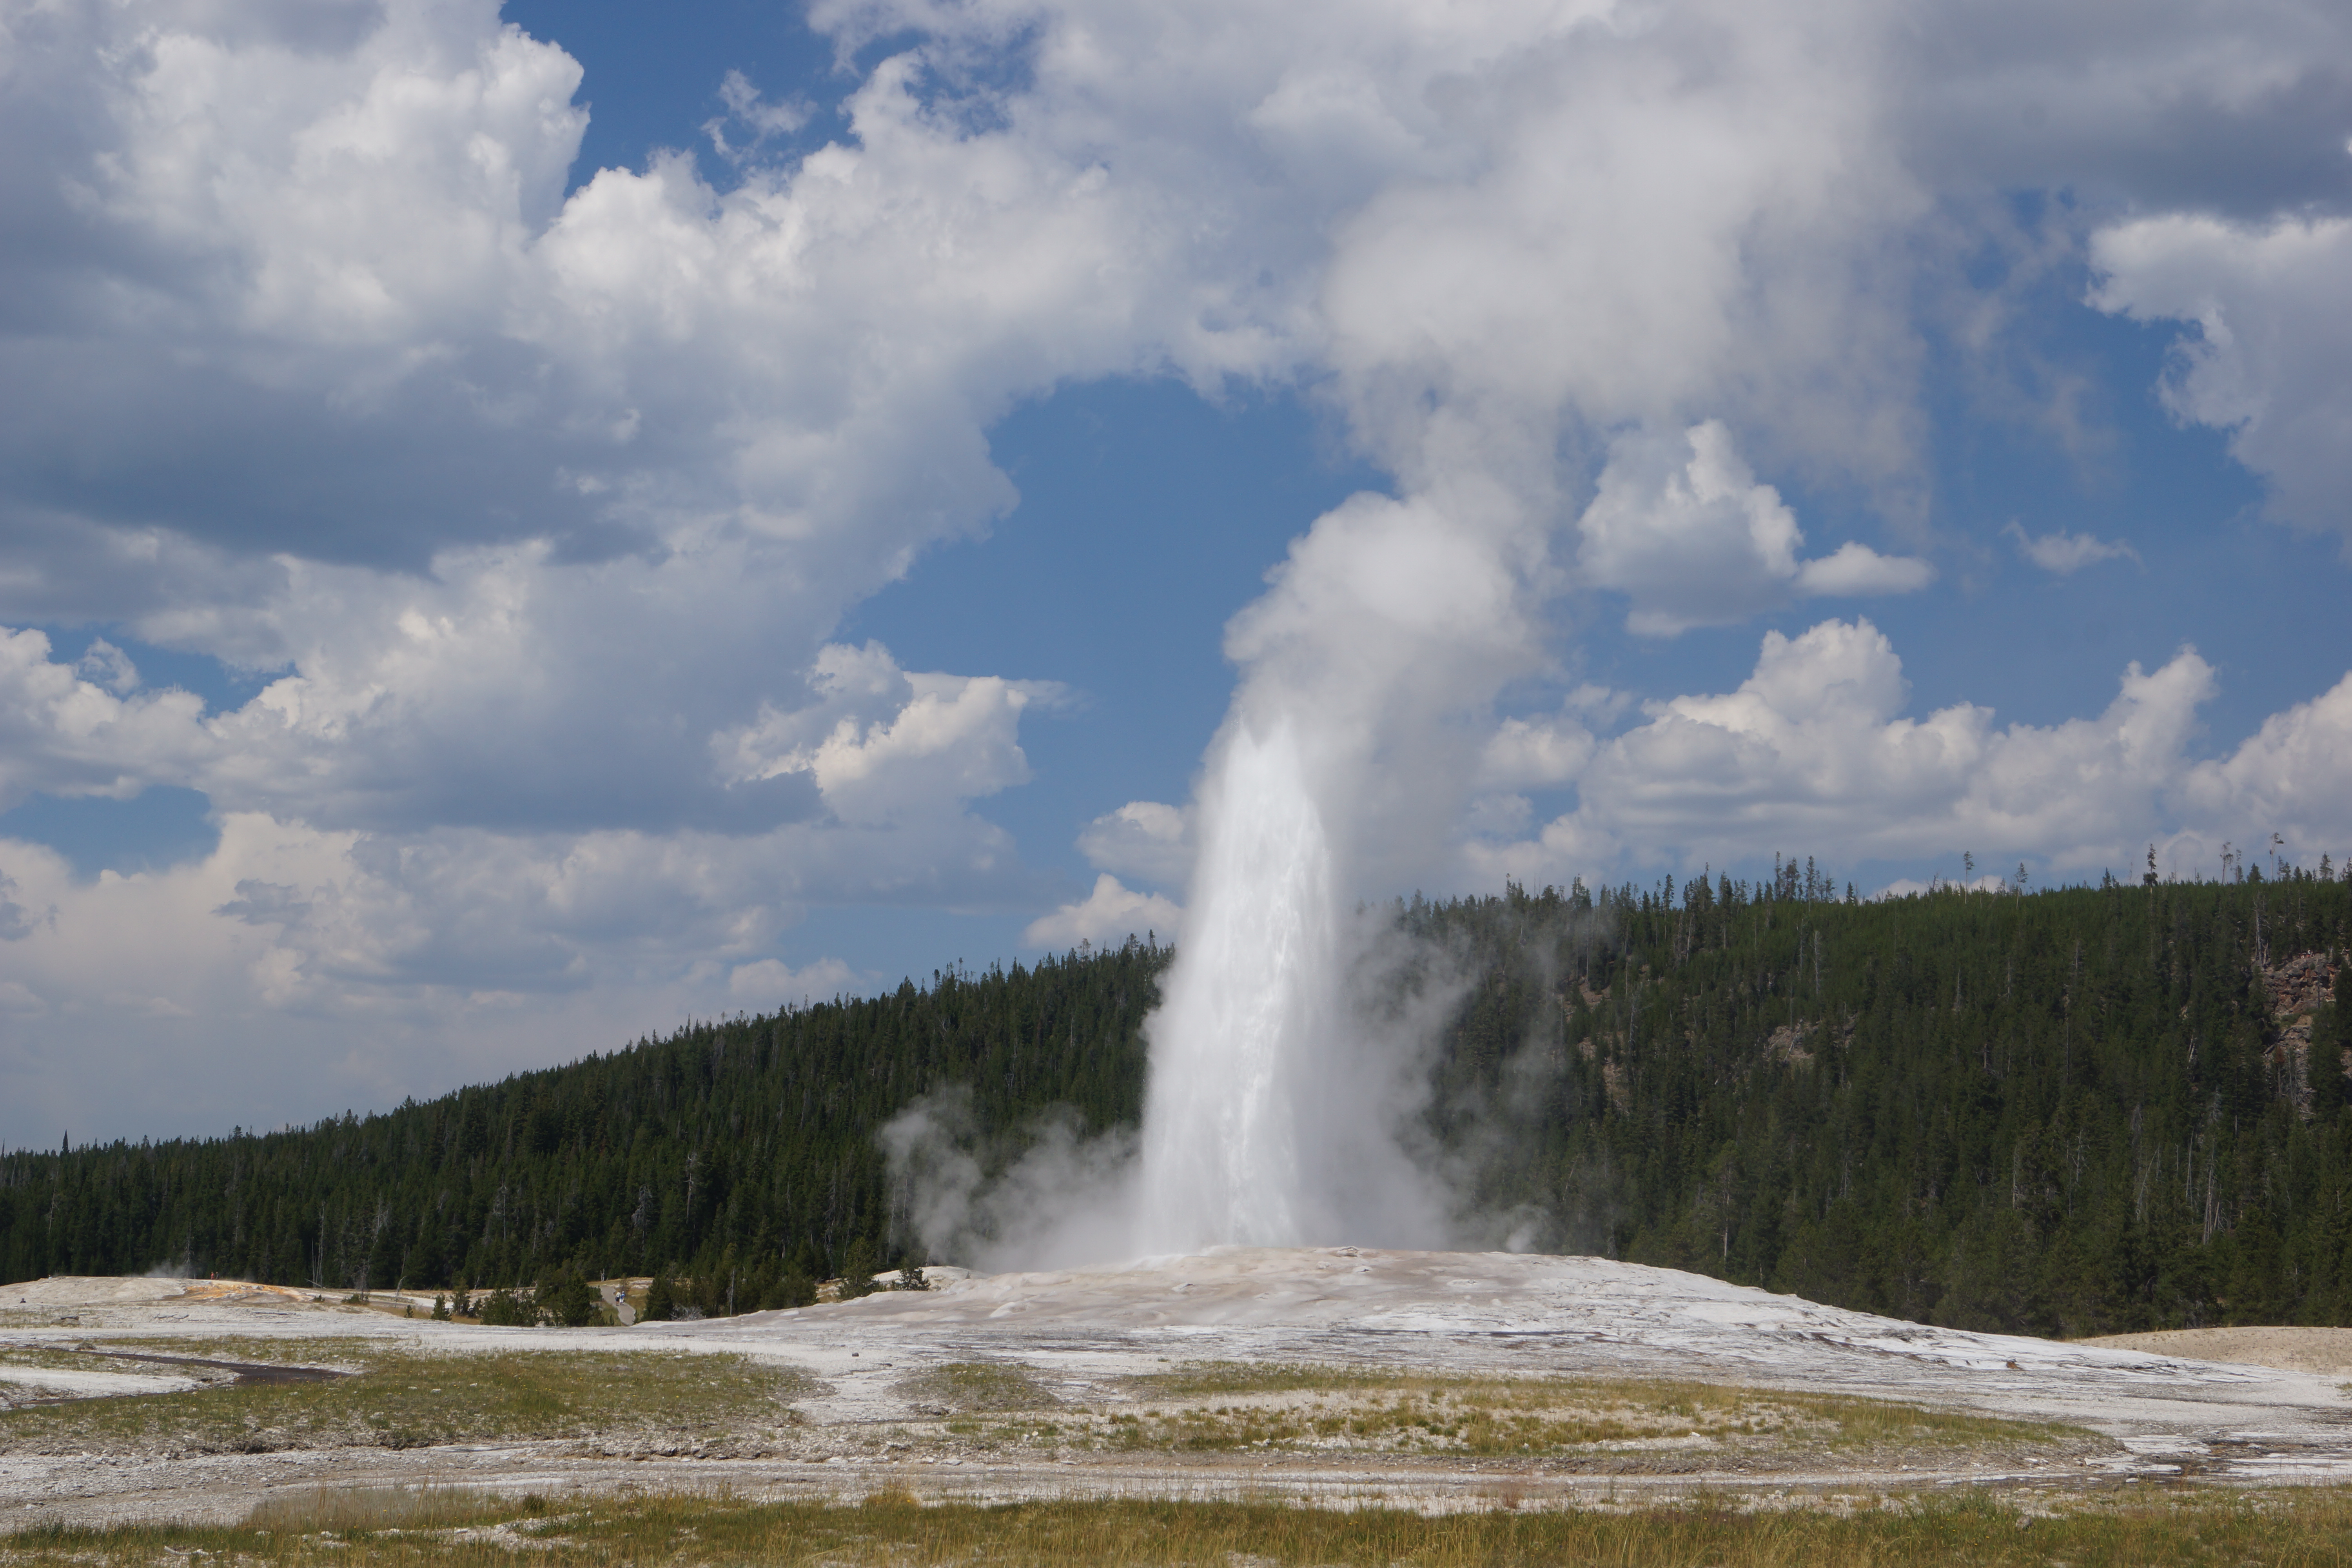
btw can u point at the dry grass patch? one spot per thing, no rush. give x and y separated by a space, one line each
350 1352
347 1510
2312 1528
397 1396
1220 1406
975 1385
60 1358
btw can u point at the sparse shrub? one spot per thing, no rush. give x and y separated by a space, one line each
505 1308
795 1289
567 1299
857 1270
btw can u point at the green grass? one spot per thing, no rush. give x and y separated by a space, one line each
1194 1378
972 1385
398 1396
60 1358
2299 1530
342 1350
1226 1406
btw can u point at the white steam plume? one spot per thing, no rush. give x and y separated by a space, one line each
1678 220
1646 222
959 1194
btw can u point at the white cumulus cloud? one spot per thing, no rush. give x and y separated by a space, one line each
1145 839
1815 749
1681 527
1106 916
884 745
65 733
2064 553
2270 303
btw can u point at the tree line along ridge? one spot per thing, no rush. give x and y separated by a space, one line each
2078 1111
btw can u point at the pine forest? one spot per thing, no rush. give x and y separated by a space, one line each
2082 1110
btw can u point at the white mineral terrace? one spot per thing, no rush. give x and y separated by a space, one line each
1080 1332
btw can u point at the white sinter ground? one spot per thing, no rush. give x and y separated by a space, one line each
1082 1333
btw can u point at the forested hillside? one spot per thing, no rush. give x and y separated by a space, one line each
2079 1111
2071 1111
741 1148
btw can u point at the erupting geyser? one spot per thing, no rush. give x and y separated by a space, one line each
1273 1102
1256 978
1287 1059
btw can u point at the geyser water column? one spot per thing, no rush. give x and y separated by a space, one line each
1255 982
1282 1102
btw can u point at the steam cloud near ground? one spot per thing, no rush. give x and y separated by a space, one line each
1052 1194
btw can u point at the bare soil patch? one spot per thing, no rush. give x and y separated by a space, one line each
2322 1353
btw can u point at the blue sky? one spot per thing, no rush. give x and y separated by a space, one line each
520 527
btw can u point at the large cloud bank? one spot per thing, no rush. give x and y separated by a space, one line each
540 512
1815 748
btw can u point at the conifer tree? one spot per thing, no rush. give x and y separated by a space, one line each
2329 1042
567 1299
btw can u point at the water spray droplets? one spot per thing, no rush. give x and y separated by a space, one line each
1257 977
